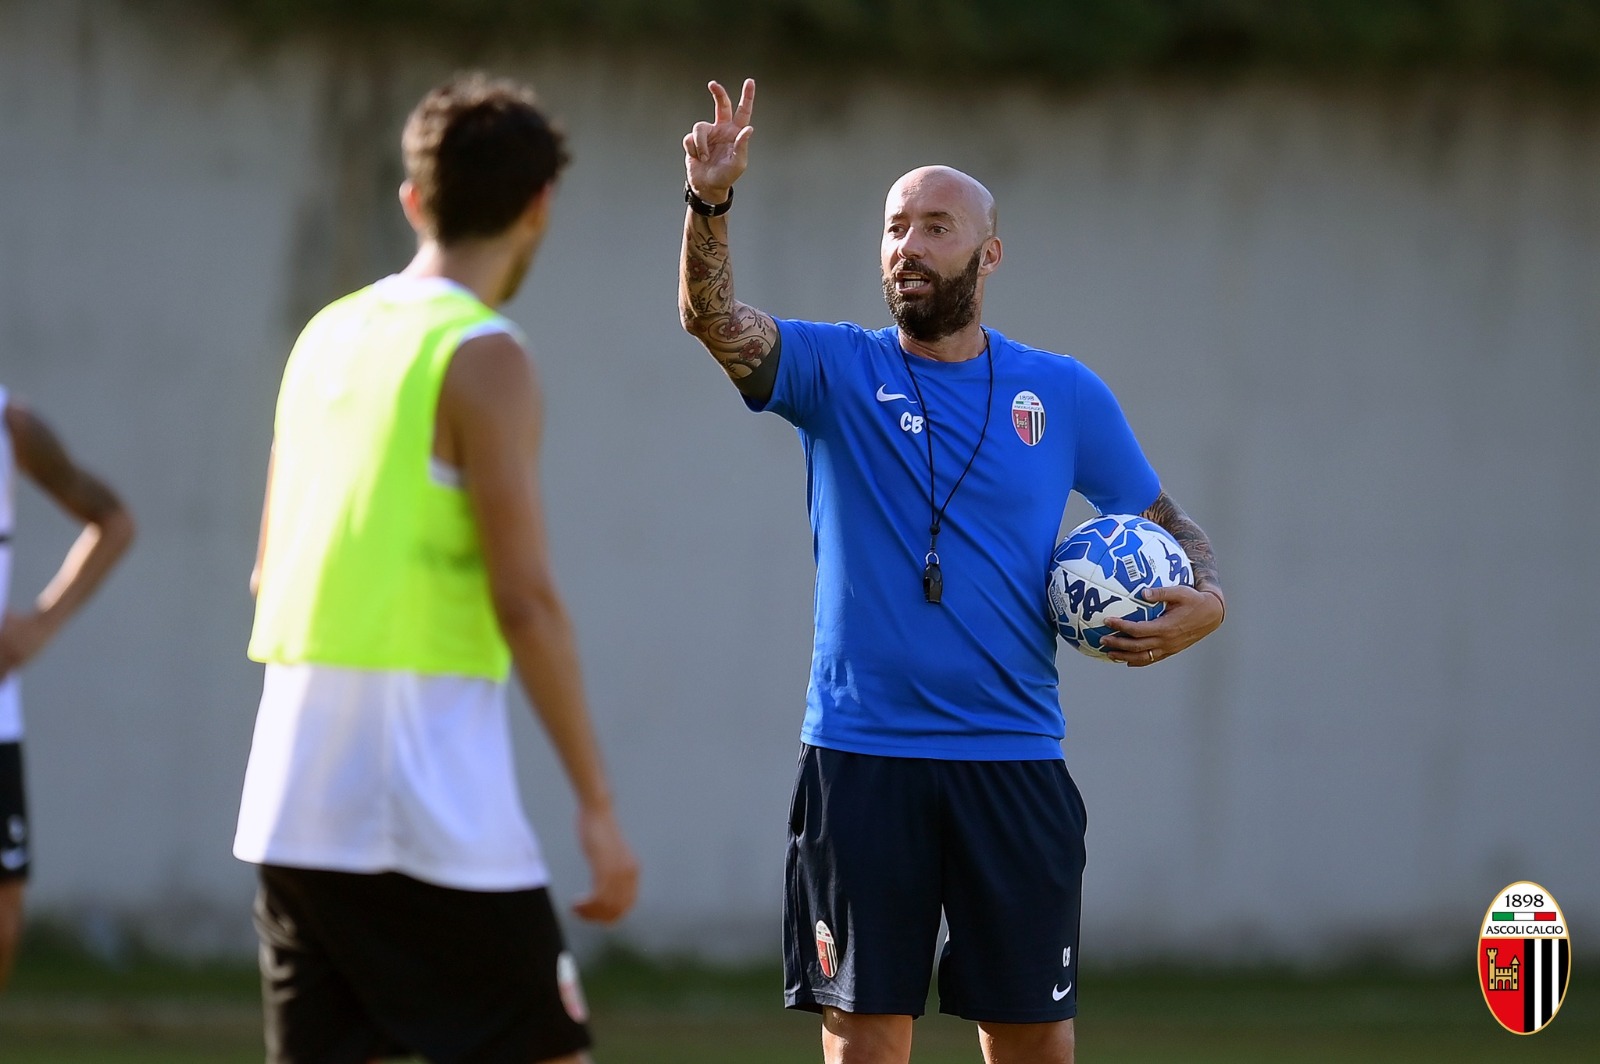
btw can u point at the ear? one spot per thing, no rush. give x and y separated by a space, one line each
411 204
992 253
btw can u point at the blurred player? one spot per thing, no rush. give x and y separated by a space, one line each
27 445
940 456
403 569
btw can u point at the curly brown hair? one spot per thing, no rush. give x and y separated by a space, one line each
478 149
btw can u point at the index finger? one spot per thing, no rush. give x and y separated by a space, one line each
595 910
724 106
606 903
747 103
1135 629
1165 593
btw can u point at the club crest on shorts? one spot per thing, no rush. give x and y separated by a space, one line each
1027 417
827 953
1524 958
572 998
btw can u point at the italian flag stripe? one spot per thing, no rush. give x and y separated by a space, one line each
1525 918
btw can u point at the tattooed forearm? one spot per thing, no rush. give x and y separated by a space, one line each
1170 516
739 336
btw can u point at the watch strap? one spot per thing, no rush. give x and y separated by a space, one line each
701 207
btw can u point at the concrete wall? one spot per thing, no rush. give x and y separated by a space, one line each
1357 331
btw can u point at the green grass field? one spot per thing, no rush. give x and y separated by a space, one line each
66 1008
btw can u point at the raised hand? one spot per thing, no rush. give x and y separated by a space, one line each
715 153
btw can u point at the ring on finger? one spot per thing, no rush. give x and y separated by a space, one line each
1152 654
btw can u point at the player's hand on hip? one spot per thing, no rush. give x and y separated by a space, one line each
22 635
611 864
715 153
1189 617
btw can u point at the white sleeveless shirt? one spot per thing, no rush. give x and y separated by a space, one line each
11 686
355 770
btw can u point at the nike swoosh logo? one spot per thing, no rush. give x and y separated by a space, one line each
1059 994
889 397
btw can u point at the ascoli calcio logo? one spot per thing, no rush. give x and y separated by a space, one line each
827 951
1027 417
1524 958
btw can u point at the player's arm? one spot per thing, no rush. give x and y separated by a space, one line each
489 411
261 535
1169 515
1191 613
107 532
742 339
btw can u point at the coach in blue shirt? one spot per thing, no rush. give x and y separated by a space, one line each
939 456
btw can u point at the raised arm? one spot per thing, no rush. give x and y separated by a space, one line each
1192 613
107 532
742 339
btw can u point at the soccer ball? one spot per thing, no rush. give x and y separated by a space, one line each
1100 567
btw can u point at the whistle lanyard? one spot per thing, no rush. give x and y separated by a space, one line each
932 574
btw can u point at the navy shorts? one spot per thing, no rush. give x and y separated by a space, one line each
358 967
880 846
14 845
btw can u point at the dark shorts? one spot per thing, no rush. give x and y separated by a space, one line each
14 843
879 846
355 967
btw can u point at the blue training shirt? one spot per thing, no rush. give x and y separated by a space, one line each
973 678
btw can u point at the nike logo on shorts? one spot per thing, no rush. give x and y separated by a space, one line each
1058 994
889 397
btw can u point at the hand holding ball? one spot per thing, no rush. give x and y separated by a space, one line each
1100 569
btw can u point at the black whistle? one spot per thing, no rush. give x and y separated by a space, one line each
933 582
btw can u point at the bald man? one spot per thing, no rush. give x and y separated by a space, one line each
940 456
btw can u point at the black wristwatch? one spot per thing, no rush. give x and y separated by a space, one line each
701 207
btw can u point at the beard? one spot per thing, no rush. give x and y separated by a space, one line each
948 308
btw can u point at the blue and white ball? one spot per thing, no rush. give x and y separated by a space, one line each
1099 570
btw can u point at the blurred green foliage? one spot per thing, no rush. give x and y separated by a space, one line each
1062 41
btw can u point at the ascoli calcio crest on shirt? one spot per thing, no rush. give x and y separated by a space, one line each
1524 958
1027 417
